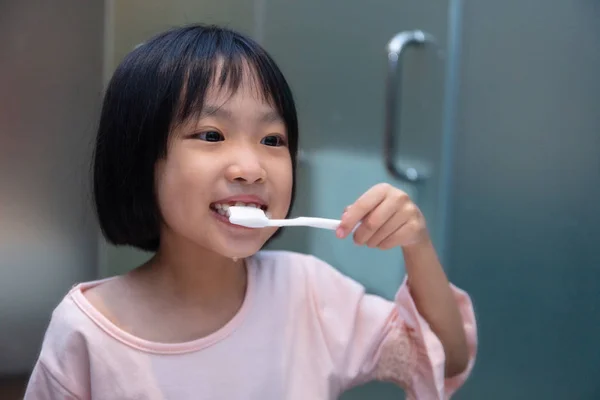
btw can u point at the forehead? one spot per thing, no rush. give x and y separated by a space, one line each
246 94
229 87
243 83
244 105
247 101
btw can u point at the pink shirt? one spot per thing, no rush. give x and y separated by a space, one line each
304 331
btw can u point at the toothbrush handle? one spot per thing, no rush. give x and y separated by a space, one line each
323 223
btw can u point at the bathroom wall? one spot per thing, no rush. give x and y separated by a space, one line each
51 82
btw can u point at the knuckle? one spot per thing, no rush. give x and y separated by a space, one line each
412 209
386 245
400 195
411 227
373 241
415 227
420 225
358 207
370 223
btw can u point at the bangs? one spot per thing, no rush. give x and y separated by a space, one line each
225 65
223 77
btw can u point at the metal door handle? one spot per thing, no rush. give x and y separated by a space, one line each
394 49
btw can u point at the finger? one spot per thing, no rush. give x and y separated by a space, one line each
375 220
361 207
402 237
392 225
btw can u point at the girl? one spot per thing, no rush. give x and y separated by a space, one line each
195 120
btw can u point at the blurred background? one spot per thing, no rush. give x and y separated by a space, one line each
495 121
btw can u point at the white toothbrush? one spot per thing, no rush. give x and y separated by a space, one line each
251 217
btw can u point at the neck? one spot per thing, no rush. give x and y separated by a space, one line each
195 276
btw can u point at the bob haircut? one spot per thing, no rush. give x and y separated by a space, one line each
157 86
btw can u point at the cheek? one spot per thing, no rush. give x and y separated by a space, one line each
283 181
180 189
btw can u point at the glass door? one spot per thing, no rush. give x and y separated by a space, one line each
365 76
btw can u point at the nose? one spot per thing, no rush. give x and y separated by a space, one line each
245 168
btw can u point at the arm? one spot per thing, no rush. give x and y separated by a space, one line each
390 219
435 301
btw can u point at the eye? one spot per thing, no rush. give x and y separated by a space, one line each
210 136
273 140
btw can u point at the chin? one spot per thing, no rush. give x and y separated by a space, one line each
232 241
239 251
241 248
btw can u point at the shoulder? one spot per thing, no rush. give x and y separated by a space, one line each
65 347
73 324
67 322
78 309
71 321
105 298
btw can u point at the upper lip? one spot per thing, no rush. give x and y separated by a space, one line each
244 198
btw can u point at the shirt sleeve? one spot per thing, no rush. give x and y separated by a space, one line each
370 338
43 385
62 369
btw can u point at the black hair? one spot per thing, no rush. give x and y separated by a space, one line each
158 85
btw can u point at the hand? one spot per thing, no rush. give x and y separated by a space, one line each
389 219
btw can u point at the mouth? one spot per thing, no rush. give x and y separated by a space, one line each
222 208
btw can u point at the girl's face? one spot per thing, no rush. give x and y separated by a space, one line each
234 152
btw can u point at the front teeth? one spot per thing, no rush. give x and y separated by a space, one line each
240 204
223 209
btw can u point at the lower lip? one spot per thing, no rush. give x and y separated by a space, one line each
225 220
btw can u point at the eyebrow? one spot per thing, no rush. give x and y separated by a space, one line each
220 112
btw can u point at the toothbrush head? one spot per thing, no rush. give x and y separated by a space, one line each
249 217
